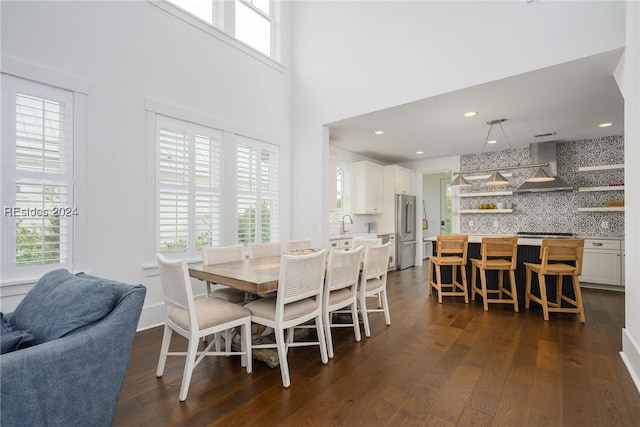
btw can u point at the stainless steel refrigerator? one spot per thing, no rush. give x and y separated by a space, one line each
405 231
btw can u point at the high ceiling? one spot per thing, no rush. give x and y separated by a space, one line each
568 101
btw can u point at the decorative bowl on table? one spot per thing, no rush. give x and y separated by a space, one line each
305 251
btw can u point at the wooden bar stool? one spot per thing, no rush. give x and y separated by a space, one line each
498 253
554 255
451 251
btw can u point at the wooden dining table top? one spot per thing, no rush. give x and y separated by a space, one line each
257 276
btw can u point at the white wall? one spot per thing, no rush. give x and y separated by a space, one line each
129 52
350 58
628 78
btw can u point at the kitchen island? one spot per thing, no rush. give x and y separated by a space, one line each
528 251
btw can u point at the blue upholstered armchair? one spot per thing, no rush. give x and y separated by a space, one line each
83 329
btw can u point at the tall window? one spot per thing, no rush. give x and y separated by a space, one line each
257 206
189 183
37 192
339 207
249 21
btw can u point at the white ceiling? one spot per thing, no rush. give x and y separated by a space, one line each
569 99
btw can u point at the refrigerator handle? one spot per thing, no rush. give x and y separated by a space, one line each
409 216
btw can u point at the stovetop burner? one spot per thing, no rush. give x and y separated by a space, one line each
545 234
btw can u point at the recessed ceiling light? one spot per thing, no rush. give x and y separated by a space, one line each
470 114
605 125
379 132
493 141
419 152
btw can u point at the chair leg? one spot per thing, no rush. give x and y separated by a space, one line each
430 277
228 337
327 332
559 293
362 300
500 283
527 289
463 274
322 342
188 367
514 290
543 296
578 295
385 307
439 283
282 356
356 324
485 294
474 281
164 349
246 345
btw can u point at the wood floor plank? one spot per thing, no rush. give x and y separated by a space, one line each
436 365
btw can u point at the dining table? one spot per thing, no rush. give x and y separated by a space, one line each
257 278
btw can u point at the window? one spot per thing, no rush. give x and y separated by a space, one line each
250 21
253 24
37 193
257 181
336 215
189 184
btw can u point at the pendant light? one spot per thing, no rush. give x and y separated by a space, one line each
460 182
540 175
496 178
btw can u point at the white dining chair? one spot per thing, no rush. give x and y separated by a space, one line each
264 250
363 242
299 300
373 283
298 244
197 319
219 255
340 291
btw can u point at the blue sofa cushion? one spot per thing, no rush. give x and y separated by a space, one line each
12 339
60 303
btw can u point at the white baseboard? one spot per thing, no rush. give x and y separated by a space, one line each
631 356
151 317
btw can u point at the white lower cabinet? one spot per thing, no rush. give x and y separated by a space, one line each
602 262
340 244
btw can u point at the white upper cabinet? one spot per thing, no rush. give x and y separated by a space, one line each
368 187
402 179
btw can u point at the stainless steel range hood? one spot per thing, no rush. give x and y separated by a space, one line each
544 152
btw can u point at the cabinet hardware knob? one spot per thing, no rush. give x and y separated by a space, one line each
597 244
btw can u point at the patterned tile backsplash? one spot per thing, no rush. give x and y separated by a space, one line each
555 211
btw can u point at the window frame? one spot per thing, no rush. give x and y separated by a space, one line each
259 194
190 188
222 26
231 131
12 85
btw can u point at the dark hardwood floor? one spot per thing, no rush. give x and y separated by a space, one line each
437 364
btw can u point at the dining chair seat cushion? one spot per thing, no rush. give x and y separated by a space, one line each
493 264
265 308
374 285
210 312
339 295
228 294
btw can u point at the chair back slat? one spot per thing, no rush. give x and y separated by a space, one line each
562 250
220 255
452 245
264 250
343 269
174 278
301 276
376 260
499 247
298 244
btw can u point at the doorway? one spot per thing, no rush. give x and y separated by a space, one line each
437 204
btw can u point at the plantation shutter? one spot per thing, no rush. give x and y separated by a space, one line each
257 183
189 182
38 148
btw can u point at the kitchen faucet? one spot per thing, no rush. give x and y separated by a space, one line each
344 230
